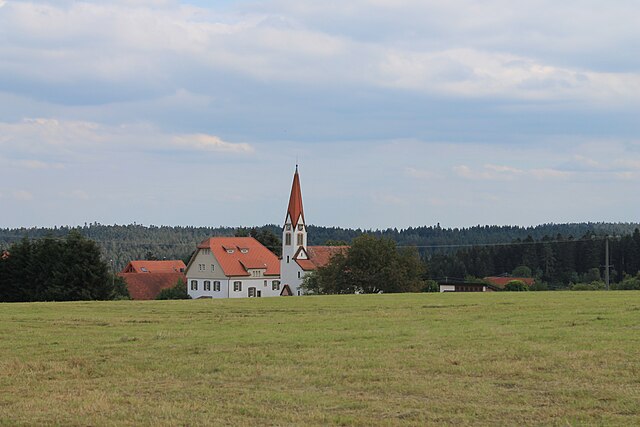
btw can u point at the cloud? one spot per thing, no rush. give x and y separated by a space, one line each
420 173
211 143
142 49
491 172
38 164
22 195
55 143
76 194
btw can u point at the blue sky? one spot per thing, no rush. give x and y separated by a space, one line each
401 113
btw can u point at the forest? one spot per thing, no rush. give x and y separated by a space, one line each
557 254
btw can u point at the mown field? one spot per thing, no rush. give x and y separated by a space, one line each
552 358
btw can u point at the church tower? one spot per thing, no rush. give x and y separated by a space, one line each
294 239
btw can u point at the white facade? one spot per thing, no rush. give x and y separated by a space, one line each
236 287
294 237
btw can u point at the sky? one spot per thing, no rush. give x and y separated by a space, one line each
399 113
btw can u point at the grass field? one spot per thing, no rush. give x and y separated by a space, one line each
553 358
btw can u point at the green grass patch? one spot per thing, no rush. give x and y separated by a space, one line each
553 358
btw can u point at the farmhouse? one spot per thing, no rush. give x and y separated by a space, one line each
233 267
145 279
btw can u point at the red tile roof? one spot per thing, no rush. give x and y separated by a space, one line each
168 266
147 286
295 210
238 254
319 256
501 281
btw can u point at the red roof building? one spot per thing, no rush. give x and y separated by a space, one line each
145 279
318 256
167 266
233 267
147 286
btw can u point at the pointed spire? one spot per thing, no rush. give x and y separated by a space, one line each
295 210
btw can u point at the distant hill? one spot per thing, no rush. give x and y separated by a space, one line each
123 243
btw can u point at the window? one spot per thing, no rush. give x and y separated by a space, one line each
144 269
213 267
216 286
300 227
201 267
252 292
207 285
206 251
287 259
300 239
255 273
244 251
237 286
194 285
287 239
265 283
275 285
299 274
287 227
230 251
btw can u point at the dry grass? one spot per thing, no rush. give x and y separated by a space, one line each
553 358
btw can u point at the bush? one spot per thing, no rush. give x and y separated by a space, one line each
630 283
179 291
431 286
596 285
539 286
516 286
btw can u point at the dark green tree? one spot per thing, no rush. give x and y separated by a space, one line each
370 265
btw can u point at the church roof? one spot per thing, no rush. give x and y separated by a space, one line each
319 256
236 255
295 210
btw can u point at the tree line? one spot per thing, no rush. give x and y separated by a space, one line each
64 263
558 261
123 243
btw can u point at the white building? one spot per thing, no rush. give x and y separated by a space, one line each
233 267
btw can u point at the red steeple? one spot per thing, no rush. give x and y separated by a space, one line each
295 210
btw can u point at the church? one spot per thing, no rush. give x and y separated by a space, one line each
241 267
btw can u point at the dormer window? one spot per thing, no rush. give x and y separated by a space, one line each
287 227
230 251
244 251
144 269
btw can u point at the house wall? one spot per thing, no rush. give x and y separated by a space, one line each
264 285
201 257
447 288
